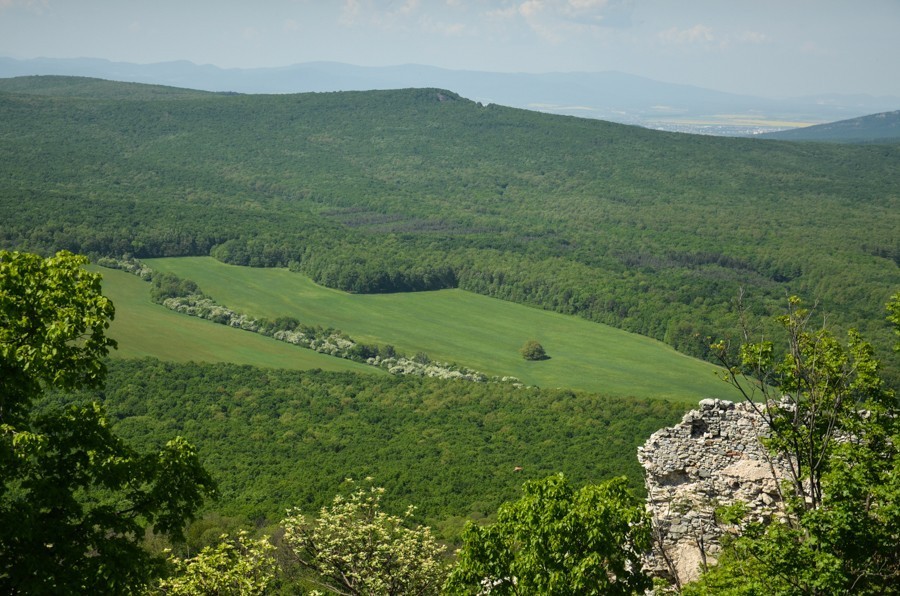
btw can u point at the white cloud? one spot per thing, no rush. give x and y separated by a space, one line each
579 5
378 13
409 7
350 12
503 13
543 19
443 28
753 37
813 49
451 29
704 36
559 20
531 8
697 34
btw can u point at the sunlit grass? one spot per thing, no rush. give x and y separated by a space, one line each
469 329
145 329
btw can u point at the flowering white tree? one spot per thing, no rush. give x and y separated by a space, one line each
238 566
356 548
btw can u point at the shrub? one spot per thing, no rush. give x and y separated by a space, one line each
532 350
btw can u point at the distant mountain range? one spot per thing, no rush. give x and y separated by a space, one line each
613 96
876 128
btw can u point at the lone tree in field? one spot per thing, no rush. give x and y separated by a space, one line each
532 350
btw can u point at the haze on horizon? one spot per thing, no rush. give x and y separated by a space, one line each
767 48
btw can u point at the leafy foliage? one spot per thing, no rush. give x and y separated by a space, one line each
356 548
810 396
51 330
532 350
558 540
235 566
838 428
74 498
893 308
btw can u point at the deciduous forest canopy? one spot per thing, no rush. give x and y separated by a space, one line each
419 189
284 438
414 190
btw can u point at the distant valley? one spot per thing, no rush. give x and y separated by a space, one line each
612 96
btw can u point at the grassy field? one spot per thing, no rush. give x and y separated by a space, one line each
143 328
476 331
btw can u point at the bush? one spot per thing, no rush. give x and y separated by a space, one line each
532 350
354 547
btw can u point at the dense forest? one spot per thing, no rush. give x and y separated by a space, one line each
420 189
96 485
277 439
104 460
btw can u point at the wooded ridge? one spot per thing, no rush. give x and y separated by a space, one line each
419 189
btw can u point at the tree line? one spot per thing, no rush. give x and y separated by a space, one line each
84 508
397 191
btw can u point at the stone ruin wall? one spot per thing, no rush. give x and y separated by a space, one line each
712 458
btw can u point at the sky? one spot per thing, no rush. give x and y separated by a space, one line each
767 48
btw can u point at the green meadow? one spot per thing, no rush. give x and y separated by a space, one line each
469 329
144 329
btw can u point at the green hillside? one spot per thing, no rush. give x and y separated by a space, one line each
461 327
144 329
275 439
877 128
424 220
391 191
89 88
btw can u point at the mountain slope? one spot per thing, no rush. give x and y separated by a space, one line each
92 88
875 128
422 189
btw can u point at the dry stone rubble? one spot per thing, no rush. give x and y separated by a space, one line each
712 458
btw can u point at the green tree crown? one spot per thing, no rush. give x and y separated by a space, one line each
74 498
558 540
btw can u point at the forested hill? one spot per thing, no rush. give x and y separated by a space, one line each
420 189
877 128
88 88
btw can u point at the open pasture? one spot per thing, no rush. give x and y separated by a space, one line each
144 329
457 326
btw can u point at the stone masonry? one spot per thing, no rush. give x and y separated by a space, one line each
712 458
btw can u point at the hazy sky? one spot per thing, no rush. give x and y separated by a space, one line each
770 48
